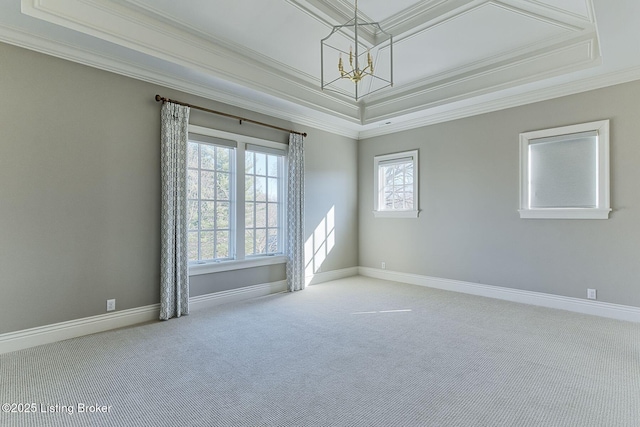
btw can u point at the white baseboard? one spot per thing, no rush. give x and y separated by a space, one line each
234 295
32 337
328 276
596 308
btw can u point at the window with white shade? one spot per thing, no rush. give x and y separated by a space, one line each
396 185
564 172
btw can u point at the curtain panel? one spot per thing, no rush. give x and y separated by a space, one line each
174 273
295 214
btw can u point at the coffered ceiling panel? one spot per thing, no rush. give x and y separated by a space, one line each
480 35
451 57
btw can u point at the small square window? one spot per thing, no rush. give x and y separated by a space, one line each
564 172
396 185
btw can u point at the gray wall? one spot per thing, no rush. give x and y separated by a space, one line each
80 190
469 228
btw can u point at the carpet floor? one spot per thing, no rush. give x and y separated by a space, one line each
353 352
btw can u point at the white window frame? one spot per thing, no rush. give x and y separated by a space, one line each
378 186
240 261
282 191
602 208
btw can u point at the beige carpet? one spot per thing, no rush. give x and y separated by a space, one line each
354 352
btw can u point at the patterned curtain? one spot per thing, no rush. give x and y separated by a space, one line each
174 274
295 214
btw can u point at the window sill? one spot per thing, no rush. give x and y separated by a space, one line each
565 213
396 214
216 267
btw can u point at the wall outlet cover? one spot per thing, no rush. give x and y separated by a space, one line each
111 304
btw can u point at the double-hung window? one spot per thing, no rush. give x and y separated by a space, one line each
235 201
210 189
396 185
264 171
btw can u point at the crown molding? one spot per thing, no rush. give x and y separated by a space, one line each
100 61
548 63
537 95
419 113
134 30
44 45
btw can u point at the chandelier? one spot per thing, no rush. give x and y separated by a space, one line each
369 64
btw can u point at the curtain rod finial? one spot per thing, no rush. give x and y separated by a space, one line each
158 98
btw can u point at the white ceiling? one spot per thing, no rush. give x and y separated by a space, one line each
452 58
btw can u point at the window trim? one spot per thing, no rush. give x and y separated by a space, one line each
601 211
405 213
241 261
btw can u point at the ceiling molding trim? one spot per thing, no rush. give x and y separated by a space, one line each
92 59
574 57
537 16
537 95
177 46
588 3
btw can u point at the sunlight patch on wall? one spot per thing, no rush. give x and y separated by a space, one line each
319 245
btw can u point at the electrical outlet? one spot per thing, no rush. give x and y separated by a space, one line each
111 305
384 265
591 293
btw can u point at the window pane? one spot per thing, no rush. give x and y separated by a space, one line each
192 155
208 215
223 215
207 156
223 158
249 242
261 215
261 164
272 241
272 165
222 248
248 215
564 173
206 244
396 185
192 184
249 160
408 203
272 190
207 185
192 215
272 215
261 241
223 186
261 189
249 193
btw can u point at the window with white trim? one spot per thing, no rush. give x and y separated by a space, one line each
396 185
210 168
564 172
263 201
235 196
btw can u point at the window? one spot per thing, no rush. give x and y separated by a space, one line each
564 172
263 205
209 195
235 201
396 185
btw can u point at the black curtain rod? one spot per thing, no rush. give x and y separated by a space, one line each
241 119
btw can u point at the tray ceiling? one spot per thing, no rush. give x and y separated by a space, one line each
451 56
